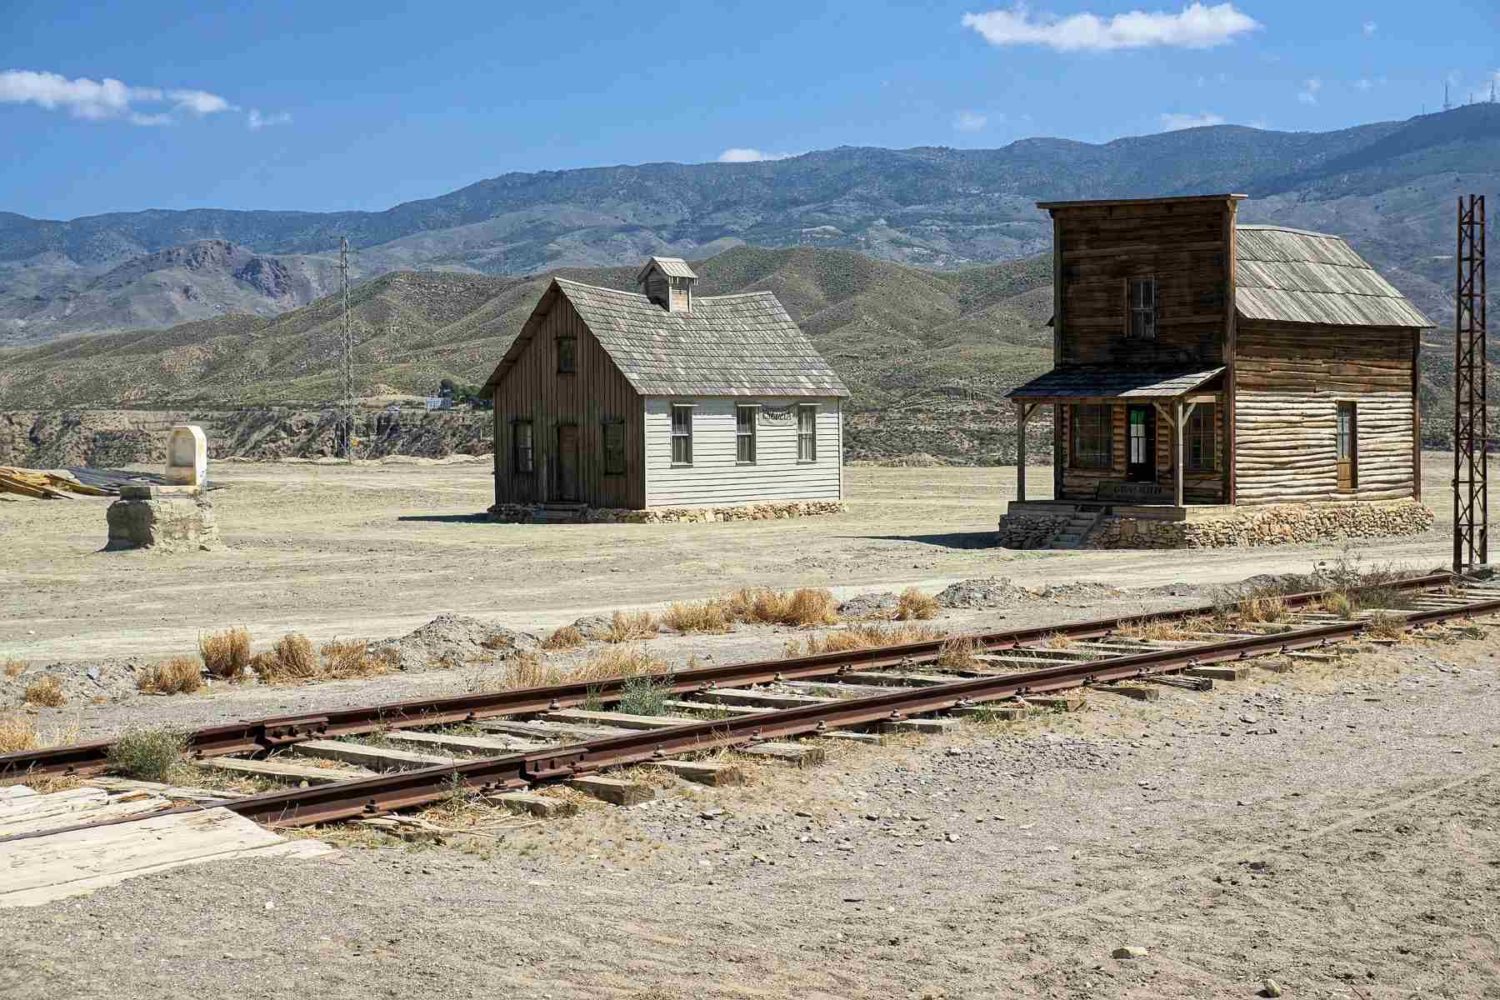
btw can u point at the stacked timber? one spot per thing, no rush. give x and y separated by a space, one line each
44 485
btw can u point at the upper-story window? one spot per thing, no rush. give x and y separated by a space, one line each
1142 324
567 354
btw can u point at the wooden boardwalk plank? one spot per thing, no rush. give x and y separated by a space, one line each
365 755
285 770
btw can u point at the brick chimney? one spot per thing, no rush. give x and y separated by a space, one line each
668 281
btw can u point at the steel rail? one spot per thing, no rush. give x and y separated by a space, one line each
257 735
404 789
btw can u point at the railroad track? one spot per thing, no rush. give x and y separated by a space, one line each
533 737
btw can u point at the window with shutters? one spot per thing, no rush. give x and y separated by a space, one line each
1200 439
744 433
1142 308
682 434
807 432
1089 436
523 456
614 448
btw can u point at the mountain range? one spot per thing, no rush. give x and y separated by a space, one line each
1387 186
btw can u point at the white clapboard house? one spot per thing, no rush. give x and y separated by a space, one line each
664 398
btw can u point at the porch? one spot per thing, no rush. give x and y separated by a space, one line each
1137 443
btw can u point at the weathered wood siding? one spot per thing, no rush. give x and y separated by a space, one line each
1289 381
1185 245
715 478
1199 486
597 392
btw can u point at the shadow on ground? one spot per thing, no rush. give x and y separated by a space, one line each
949 540
447 518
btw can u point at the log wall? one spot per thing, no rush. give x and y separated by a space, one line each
1289 381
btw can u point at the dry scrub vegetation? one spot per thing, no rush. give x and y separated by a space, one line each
630 627
527 670
147 754
913 605
14 668
45 692
17 733
864 637
567 637
225 654
802 608
179 675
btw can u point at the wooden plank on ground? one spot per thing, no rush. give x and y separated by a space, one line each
1056 702
620 720
553 731
757 699
489 745
702 709
365 755
796 754
543 806
1006 711
64 809
1219 673
41 869
928 726
112 783
704 772
894 678
619 791
1140 692
280 769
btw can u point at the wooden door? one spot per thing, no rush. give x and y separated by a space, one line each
567 462
1346 448
1140 444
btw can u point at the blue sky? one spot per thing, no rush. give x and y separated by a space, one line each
334 105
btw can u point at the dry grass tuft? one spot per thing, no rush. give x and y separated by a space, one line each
802 608
1162 630
291 659
528 670
1265 608
959 653
1058 640
630 627
566 637
703 616
620 661
179 675
45 692
225 654
353 658
1339 604
913 605
14 668
1384 625
147 754
17 733
870 637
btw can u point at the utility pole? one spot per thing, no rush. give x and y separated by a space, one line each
1471 504
1447 105
348 342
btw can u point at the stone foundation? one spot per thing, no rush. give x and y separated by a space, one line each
771 511
1271 524
163 524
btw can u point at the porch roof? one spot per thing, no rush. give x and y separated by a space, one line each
1084 382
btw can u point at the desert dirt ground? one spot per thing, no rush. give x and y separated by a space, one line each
375 550
1335 828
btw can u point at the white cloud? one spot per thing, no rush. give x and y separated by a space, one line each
1309 92
1196 26
104 100
1369 28
970 121
255 120
1171 122
744 154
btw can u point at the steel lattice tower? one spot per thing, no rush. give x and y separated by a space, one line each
1470 397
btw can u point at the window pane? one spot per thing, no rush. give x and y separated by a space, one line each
744 429
1091 436
567 354
807 433
682 435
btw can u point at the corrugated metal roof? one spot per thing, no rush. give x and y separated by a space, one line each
727 345
1295 276
1086 382
673 267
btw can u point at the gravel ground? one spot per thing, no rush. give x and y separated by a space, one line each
1335 828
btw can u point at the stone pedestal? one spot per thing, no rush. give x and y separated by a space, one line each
162 519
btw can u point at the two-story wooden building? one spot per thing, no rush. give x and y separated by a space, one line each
1201 363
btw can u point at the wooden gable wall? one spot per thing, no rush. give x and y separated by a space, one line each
1184 244
597 392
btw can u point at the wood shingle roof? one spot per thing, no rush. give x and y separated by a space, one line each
727 345
1293 276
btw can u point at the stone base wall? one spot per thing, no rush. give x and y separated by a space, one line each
1030 531
513 513
167 524
1272 524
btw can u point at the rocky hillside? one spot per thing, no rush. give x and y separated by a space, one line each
927 354
1388 186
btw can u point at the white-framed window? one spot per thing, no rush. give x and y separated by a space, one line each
745 416
1142 308
682 434
807 432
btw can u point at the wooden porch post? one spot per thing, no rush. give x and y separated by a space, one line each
1022 412
1180 425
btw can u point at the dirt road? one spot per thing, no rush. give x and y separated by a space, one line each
375 550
